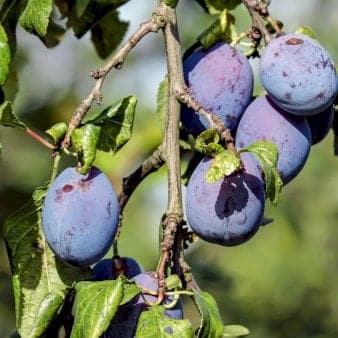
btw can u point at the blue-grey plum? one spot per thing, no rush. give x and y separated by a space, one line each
299 74
265 121
80 216
111 268
229 211
148 281
221 80
125 321
320 124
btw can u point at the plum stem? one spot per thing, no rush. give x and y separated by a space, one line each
40 139
152 25
57 158
259 14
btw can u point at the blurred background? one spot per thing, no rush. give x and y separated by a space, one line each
284 281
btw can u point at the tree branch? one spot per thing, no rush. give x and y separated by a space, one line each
259 13
174 213
152 25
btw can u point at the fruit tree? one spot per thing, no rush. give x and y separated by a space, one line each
239 108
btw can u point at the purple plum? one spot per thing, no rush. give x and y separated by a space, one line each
80 216
299 74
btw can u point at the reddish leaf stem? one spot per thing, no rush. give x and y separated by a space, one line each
40 139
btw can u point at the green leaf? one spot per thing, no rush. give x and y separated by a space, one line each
7 117
267 155
235 331
171 3
207 143
306 31
211 322
5 55
173 282
46 313
54 35
130 290
93 13
68 9
108 33
162 103
57 131
80 6
9 16
223 164
95 305
216 6
85 141
154 324
35 17
39 278
10 88
223 29
116 122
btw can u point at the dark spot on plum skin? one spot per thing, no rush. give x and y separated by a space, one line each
67 188
58 195
108 209
285 74
294 41
288 96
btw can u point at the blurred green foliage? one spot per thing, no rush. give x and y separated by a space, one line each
284 281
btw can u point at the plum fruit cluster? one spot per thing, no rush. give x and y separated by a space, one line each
80 216
300 81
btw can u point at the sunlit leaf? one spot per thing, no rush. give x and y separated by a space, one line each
85 141
5 55
267 155
95 305
211 322
35 17
207 143
223 164
116 124
235 331
306 31
57 131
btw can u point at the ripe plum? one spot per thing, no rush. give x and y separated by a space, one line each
221 80
105 269
80 216
229 211
265 121
299 74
